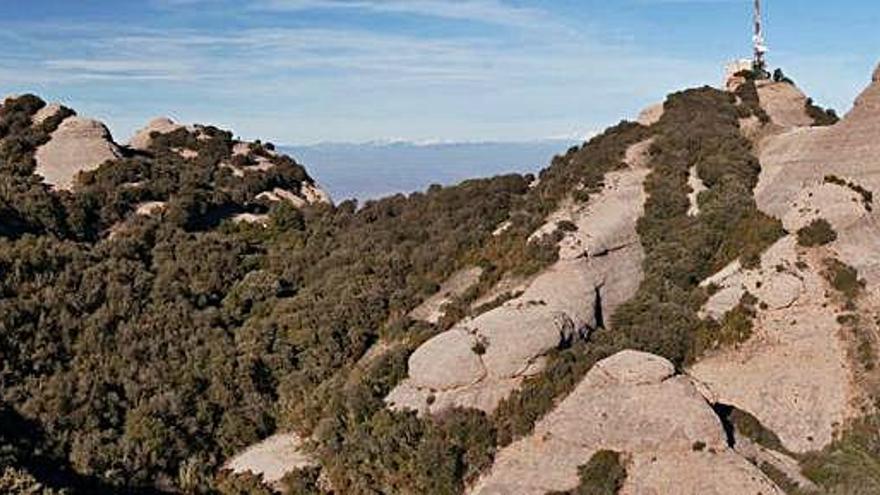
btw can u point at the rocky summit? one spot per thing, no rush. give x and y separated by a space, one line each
686 304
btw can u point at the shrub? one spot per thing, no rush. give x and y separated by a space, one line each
604 474
735 328
818 233
844 279
820 116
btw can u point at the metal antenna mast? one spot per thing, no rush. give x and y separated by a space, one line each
759 64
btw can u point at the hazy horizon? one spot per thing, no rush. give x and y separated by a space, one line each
365 171
310 71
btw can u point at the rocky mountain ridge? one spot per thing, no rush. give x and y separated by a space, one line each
796 373
686 304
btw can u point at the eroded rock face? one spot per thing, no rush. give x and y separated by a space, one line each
308 194
793 374
482 359
793 183
79 144
784 103
630 403
697 186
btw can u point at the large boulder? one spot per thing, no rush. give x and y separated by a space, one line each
634 404
482 359
79 144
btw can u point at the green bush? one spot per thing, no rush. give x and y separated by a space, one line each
844 279
735 328
604 474
818 233
820 116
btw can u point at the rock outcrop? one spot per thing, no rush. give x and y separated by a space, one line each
634 404
794 181
143 138
272 458
78 145
45 113
796 373
793 374
431 310
785 104
650 115
482 359
308 193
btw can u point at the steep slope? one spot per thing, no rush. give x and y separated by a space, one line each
478 362
808 369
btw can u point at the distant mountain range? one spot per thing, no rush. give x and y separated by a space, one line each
375 169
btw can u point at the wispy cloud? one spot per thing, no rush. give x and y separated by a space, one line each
483 11
351 80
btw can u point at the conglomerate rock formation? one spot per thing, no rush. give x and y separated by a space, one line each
482 359
635 404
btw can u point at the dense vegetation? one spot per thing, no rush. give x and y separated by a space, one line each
145 358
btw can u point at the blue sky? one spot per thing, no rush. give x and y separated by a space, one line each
306 71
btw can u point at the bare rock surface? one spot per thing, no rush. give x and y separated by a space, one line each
630 403
482 359
784 103
431 310
782 462
308 194
793 374
252 218
600 263
793 184
143 138
796 373
697 186
315 194
447 362
79 144
272 458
